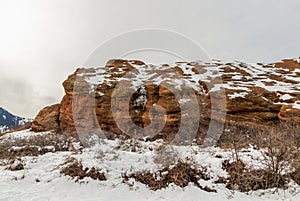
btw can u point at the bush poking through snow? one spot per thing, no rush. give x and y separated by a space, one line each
181 175
77 172
245 179
13 148
16 165
280 151
280 159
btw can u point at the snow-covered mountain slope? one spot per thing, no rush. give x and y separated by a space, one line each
9 121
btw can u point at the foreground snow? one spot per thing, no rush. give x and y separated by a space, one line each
41 179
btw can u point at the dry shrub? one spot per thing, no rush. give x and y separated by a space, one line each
181 175
289 149
281 152
279 148
16 165
282 155
293 130
238 136
13 148
246 179
296 175
76 171
243 135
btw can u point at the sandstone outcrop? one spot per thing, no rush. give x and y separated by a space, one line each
119 98
47 119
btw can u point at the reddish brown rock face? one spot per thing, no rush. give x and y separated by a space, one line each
47 119
66 122
289 113
254 95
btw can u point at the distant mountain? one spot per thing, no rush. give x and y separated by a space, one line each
9 121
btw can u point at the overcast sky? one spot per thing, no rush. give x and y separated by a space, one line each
42 42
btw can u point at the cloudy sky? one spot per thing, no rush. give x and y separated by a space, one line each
42 42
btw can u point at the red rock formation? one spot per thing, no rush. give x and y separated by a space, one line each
255 95
47 119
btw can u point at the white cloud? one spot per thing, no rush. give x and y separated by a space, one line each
43 41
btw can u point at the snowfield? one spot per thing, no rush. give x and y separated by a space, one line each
41 178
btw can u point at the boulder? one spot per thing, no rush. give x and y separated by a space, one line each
47 119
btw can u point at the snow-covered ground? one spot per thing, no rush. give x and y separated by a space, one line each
41 179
